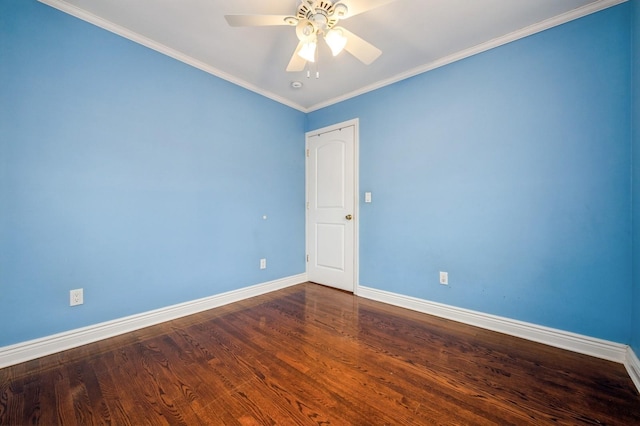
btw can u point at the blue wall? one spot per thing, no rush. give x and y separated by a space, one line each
635 327
134 176
511 171
144 181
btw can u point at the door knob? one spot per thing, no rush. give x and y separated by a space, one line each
348 217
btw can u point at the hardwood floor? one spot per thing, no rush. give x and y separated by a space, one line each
310 355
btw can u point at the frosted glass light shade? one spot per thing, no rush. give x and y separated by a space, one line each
308 51
336 41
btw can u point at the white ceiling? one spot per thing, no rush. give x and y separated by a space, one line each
414 36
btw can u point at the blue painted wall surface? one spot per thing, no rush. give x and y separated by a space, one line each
510 170
134 176
635 325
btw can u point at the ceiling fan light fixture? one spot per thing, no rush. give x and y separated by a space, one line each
308 51
336 40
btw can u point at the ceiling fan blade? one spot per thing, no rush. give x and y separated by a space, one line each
361 49
356 7
255 20
297 63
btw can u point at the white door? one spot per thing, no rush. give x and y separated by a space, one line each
331 206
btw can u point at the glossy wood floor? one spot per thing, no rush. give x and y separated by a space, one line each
310 355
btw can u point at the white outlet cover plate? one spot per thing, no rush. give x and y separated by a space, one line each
76 297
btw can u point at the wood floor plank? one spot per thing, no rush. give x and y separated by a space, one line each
311 355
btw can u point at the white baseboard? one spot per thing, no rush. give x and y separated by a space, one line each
553 337
32 349
632 365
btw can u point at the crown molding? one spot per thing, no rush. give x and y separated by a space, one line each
483 47
165 50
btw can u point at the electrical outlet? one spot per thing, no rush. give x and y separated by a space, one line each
263 263
76 297
444 278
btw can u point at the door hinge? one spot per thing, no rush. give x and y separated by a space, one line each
307 205
307 153
307 258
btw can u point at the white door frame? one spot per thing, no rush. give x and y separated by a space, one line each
356 183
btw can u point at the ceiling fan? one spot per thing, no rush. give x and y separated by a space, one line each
316 19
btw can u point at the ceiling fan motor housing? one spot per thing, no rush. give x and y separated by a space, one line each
323 13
